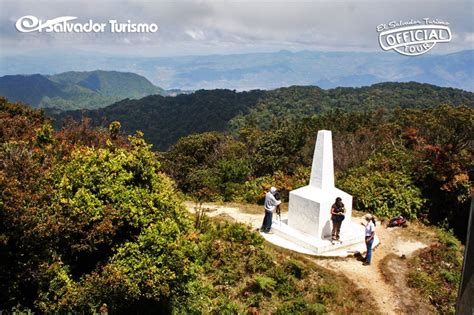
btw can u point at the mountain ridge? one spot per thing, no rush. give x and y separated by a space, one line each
76 90
266 70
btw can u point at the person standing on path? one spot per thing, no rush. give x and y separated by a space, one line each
270 205
337 216
369 237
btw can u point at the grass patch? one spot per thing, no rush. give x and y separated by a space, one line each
243 274
436 272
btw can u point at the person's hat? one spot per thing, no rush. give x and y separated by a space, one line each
273 189
368 216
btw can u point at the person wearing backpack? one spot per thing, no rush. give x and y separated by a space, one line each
337 216
270 205
369 237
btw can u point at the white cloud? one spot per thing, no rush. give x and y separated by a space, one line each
469 38
204 26
196 34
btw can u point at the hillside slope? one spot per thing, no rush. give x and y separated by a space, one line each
76 90
110 83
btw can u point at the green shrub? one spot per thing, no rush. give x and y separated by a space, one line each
258 261
294 307
316 308
19 310
385 194
451 276
45 135
421 279
230 251
225 306
448 239
326 292
295 268
115 231
285 282
254 190
300 306
198 297
265 285
384 184
255 299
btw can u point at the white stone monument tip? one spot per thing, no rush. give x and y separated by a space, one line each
322 170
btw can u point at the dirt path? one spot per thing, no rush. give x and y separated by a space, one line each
213 210
385 278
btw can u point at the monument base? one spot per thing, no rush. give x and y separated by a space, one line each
352 240
309 209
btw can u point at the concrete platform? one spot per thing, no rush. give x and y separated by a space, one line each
352 237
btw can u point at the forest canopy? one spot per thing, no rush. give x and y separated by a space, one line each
165 119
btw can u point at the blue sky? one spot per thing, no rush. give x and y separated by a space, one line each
222 27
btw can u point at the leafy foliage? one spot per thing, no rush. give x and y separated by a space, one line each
86 225
210 161
241 274
383 185
441 139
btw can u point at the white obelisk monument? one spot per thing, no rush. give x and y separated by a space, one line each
310 206
308 226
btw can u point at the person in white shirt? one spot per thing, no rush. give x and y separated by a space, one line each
369 237
270 205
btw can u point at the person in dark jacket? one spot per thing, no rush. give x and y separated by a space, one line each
337 216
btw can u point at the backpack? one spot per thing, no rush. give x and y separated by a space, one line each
277 197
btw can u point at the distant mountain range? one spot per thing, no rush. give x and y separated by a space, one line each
264 70
76 90
166 119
